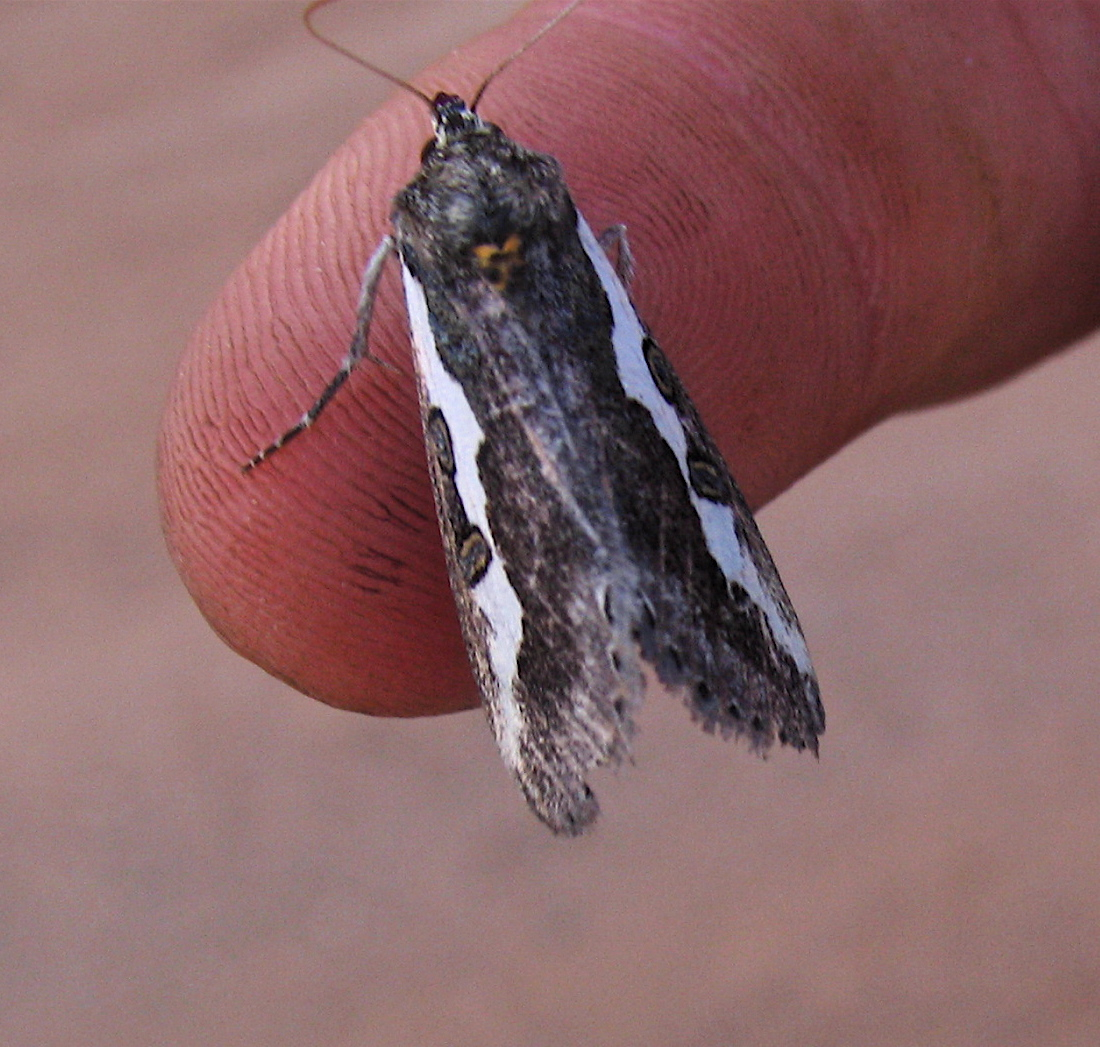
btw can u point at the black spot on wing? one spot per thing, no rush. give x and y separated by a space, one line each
709 479
474 556
438 438
470 550
660 370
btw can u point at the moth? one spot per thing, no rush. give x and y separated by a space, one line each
596 542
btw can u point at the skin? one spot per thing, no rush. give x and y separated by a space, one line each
838 212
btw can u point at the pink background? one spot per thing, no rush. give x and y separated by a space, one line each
192 853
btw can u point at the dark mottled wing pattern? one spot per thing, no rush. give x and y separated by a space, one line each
594 535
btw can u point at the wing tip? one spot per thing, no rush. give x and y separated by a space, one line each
567 813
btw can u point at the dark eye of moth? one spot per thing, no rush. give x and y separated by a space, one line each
439 441
659 369
707 480
474 556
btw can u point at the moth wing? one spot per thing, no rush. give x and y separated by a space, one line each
559 690
716 621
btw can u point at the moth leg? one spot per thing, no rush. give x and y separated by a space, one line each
615 236
357 352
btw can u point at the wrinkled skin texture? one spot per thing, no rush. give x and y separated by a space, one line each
839 212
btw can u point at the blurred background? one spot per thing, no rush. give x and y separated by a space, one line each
190 852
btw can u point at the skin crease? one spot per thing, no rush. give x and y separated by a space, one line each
838 212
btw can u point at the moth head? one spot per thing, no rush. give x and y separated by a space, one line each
452 116
453 120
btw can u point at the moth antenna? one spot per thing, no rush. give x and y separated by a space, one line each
307 18
520 50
